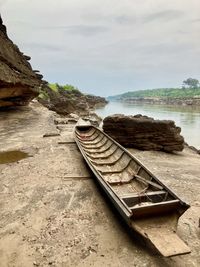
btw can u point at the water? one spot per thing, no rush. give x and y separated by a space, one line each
12 156
186 117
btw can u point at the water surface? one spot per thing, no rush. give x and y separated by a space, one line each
12 156
186 117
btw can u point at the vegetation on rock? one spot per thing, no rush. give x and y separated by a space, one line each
65 99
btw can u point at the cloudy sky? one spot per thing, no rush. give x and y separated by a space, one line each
107 47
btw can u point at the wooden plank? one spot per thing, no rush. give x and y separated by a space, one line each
84 134
155 197
96 146
141 179
155 208
118 181
67 178
100 156
143 194
84 139
66 142
115 170
167 242
100 151
92 142
108 162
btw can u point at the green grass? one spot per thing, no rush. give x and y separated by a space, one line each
59 89
53 87
67 87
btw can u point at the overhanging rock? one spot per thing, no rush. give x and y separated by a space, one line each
18 82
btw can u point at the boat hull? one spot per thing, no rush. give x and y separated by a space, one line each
147 205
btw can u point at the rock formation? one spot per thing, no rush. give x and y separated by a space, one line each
144 133
96 101
63 102
69 101
18 82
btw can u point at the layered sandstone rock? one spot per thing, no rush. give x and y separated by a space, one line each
144 133
18 82
69 101
64 102
96 101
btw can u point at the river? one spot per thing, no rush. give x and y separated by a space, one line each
186 117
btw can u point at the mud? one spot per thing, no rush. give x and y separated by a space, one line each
53 213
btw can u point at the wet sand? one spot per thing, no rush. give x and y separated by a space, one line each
54 214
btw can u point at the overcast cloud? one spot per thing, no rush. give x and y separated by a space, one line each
108 47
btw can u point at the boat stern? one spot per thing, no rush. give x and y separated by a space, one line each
160 233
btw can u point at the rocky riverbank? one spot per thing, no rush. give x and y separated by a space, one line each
53 212
65 101
195 101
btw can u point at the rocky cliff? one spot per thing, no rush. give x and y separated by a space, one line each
144 133
18 82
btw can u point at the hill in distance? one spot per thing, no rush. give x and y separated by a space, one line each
159 93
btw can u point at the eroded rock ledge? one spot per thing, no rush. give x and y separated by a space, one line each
18 82
65 102
144 133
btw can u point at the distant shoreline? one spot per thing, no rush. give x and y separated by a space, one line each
156 100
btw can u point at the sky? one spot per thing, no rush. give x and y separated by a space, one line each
108 47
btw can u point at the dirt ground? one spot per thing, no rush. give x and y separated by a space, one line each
53 213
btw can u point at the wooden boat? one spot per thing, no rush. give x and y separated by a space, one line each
147 205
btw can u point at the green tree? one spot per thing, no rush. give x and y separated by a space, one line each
191 83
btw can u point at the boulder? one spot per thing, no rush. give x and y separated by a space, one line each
144 133
18 82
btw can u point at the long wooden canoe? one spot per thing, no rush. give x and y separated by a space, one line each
147 205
